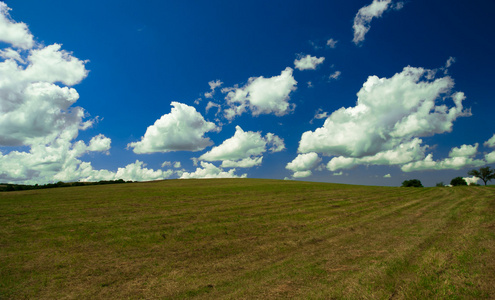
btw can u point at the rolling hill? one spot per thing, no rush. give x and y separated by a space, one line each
245 239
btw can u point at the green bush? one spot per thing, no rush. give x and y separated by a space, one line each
412 183
458 181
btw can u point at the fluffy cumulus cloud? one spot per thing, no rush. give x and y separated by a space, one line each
365 15
244 149
491 142
385 125
261 96
34 109
38 114
458 158
303 164
403 153
209 170
136 171
57 161
99 143
308 62
10 53
490 157
464 151
182 129
15 33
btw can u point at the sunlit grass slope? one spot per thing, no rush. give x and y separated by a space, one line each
247 239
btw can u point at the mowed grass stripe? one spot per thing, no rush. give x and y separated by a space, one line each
247 238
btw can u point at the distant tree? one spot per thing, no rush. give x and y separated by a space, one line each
484 173
440 184
412 183
458 181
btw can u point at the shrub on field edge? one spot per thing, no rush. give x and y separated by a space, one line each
412 183
458 181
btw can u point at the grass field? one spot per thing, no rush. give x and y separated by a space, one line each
247 239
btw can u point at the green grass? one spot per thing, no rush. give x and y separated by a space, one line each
245 239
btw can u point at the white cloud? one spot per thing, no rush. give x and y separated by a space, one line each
99 143
464 150
261 95
277 143
243 163
210 105
182 129
304 162
471 180
449 62
490 157
332 43
56 161
302 174
10 53
403 153
335 75
244 149
389 112
176 164
33 109
387 176
385 125
136 171
213 86
491 142
37 113
308 62
399 5
14 33
55 65
243 144
451 163
459 157
209 170
319 114
365 15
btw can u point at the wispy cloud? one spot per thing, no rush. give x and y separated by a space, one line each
332 43
362 20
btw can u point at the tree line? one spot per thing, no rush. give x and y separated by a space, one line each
484 173
9 187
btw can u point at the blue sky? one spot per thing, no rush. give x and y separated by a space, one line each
360 92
